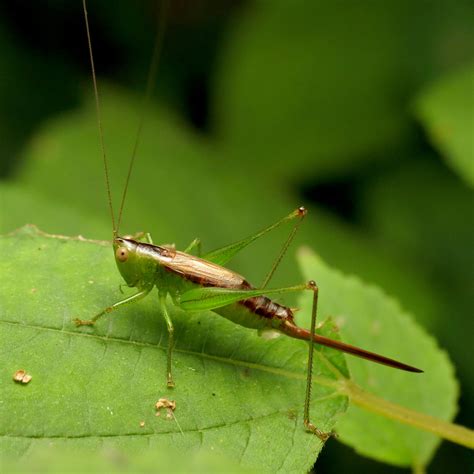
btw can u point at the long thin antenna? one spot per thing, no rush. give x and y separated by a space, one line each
160 31
99 121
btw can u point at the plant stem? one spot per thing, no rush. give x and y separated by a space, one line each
455 433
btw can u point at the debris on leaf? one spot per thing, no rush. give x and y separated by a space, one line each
169 405
20 376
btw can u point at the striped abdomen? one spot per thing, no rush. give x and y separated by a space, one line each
266 308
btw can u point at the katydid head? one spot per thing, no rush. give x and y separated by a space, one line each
127 260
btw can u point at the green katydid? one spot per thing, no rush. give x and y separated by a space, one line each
197 283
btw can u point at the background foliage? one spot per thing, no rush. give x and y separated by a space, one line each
360 110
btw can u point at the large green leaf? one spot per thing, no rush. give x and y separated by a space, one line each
236 394
411 210
369 318
446 110
296 77
317 88
95 388
63 458
22 205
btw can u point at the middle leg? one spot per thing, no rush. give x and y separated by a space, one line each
169 324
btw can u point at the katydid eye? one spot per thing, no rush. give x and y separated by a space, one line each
121 254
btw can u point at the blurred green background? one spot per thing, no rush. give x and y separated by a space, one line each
362 111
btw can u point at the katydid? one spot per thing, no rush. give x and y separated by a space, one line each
198 283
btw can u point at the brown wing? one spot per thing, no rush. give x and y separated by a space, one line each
201 271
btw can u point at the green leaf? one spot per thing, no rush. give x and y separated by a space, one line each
295 77
92 387
23 204
411 211
312 89
62 458
446 110
370 319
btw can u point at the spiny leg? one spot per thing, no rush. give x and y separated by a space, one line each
223 255
309 374
301 213
130 299
169 324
